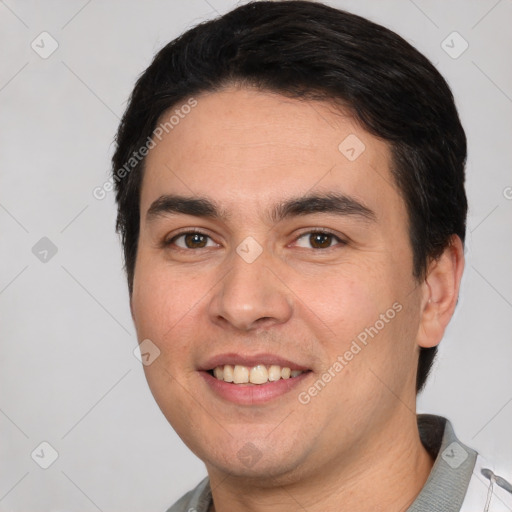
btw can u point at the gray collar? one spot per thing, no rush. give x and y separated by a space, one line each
446 486
443 491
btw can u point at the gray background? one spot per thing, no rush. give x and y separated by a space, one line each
68 375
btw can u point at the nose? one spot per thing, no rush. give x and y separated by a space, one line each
251 295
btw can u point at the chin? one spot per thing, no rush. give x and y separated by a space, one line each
255 458
268 472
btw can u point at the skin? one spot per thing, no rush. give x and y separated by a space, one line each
248 150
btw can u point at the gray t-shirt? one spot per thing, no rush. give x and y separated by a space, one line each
460 480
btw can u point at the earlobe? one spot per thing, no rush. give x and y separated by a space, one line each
440 293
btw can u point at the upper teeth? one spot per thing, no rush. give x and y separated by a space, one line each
259 374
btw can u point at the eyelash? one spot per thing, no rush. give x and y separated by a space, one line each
167 243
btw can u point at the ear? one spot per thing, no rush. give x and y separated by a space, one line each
440 293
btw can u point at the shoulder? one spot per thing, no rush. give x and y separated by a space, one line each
196 500
461 479
489 489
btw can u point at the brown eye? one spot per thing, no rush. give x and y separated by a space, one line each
319 240
190 240
194 240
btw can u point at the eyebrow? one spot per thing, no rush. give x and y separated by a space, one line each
331 202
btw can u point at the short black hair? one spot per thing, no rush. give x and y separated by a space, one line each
308 50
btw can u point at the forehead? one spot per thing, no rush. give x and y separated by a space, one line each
245 148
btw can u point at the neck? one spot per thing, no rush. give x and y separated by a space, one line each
386 474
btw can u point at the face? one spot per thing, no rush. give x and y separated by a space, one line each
295 263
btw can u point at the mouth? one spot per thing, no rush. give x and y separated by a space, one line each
257 374
252 380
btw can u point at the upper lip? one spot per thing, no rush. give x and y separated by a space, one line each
251 360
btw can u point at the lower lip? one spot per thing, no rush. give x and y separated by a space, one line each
252 394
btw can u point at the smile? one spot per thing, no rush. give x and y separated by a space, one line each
257 374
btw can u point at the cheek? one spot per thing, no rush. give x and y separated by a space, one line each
367 312
164 305
162 298
347 298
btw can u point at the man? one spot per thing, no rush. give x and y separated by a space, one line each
290 188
